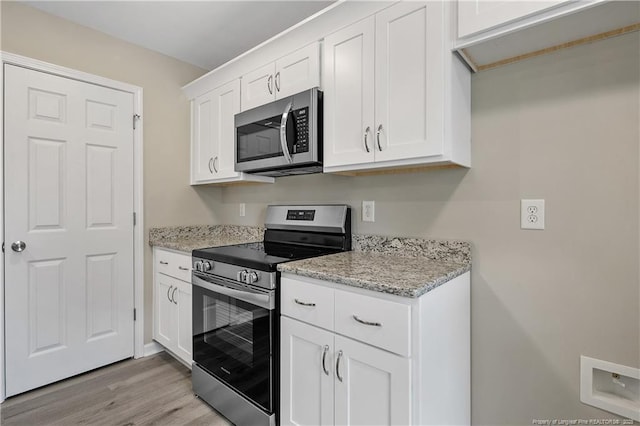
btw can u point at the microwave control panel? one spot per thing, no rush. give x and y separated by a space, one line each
302 130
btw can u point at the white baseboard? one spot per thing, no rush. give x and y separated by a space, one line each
152 348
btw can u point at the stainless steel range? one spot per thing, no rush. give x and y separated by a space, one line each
236 309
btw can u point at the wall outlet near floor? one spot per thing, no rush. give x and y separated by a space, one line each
243 209
532 214
368 211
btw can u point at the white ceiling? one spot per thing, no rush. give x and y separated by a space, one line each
202 33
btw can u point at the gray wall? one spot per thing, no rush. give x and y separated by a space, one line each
563 127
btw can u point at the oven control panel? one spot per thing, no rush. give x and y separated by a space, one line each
210 269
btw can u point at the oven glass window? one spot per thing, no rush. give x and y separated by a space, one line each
228 322
232 340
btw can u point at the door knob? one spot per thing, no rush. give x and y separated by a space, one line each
19 246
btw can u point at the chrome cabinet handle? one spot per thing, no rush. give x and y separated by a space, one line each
18 246
182 268
173 298
269 81
304 303
210 162
324 357
278 81
338 366
283 133
378 136
366 135
169 291
162 262
361 321
215 160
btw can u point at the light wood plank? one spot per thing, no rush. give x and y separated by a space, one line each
149 391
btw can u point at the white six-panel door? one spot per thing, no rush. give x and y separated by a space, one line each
69 198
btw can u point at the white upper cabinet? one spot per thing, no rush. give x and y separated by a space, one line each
258 87
481 15
288 75
212 138
394 95
492 33
348 63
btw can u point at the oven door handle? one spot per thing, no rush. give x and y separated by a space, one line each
263 300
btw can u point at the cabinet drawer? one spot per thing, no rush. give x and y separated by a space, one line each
381 323
176 265
307 302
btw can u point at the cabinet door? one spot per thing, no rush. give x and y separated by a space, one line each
202 142
298 71
375 386
306 389
164 324
226 104
478 15
348 84
403 99
258 87
182 306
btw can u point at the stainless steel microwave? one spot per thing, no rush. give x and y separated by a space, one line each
281 138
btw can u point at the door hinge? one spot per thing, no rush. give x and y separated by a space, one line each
136 117
134 314
134 218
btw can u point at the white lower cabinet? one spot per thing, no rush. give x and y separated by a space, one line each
329 379
357 357
172 303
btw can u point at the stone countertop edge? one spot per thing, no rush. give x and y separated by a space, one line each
410 267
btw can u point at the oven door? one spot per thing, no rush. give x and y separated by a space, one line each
233 326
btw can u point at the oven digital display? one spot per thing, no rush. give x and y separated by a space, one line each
301 214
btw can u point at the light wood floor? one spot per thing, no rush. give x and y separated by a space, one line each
149 391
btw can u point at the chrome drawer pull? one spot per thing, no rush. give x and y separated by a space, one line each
163 262
304 303
366 133
182 268
169 291
338 366
378 137
324 357
374 324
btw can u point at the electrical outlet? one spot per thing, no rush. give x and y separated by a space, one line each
532 214
243 209
368 211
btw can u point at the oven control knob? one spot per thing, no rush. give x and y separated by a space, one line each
197 265
252 277
206 266
242 276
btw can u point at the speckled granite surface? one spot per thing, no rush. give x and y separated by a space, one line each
188 238
407 267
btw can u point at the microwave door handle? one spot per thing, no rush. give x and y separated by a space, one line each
283 133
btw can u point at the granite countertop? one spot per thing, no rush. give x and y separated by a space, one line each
408 267
189 238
